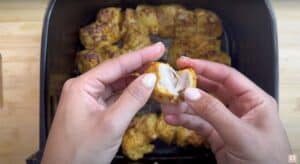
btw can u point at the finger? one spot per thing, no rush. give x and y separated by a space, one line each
237 105
191 122
132 100
214 88
122 83
179 108
113 69
236 83
213 111
111 100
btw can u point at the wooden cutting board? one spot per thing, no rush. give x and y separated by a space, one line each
20 37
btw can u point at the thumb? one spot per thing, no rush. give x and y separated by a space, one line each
213 111
132 100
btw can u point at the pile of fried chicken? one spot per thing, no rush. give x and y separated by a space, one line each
194 33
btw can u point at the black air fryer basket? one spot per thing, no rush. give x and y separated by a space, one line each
250 38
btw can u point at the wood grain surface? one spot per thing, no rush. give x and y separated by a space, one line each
20 39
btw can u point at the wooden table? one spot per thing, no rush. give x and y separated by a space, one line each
20 39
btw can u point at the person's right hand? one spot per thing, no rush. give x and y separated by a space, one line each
242 127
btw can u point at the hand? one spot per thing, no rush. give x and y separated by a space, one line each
88 126
242 127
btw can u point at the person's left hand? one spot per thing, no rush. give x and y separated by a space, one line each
89 129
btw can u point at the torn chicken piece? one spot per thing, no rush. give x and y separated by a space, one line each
170 83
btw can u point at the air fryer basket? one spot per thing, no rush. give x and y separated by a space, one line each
250 38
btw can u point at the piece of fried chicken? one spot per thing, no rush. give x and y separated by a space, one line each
109 15
146 15
88 59
208 23
166 19
137 138
165 131
186 137
105 31
135 144
146 124
185 26
135 35
196 46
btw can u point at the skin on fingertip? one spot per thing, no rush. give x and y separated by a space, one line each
182 61
171 119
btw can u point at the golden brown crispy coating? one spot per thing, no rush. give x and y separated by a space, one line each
109 51
146 124
135 144
109 15
135 35
88 59
186 137
105 31
166 19
134 41
202 46
182 135
196 46
146 15
146 128
208 23
184 24
97 35
195 139
165 131
219 57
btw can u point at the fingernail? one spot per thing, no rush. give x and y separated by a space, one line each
149 80
160 46
184 57
192 94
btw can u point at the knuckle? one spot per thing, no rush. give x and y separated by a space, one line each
273 101
201 128
110 125
68 85
188 123
208 106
